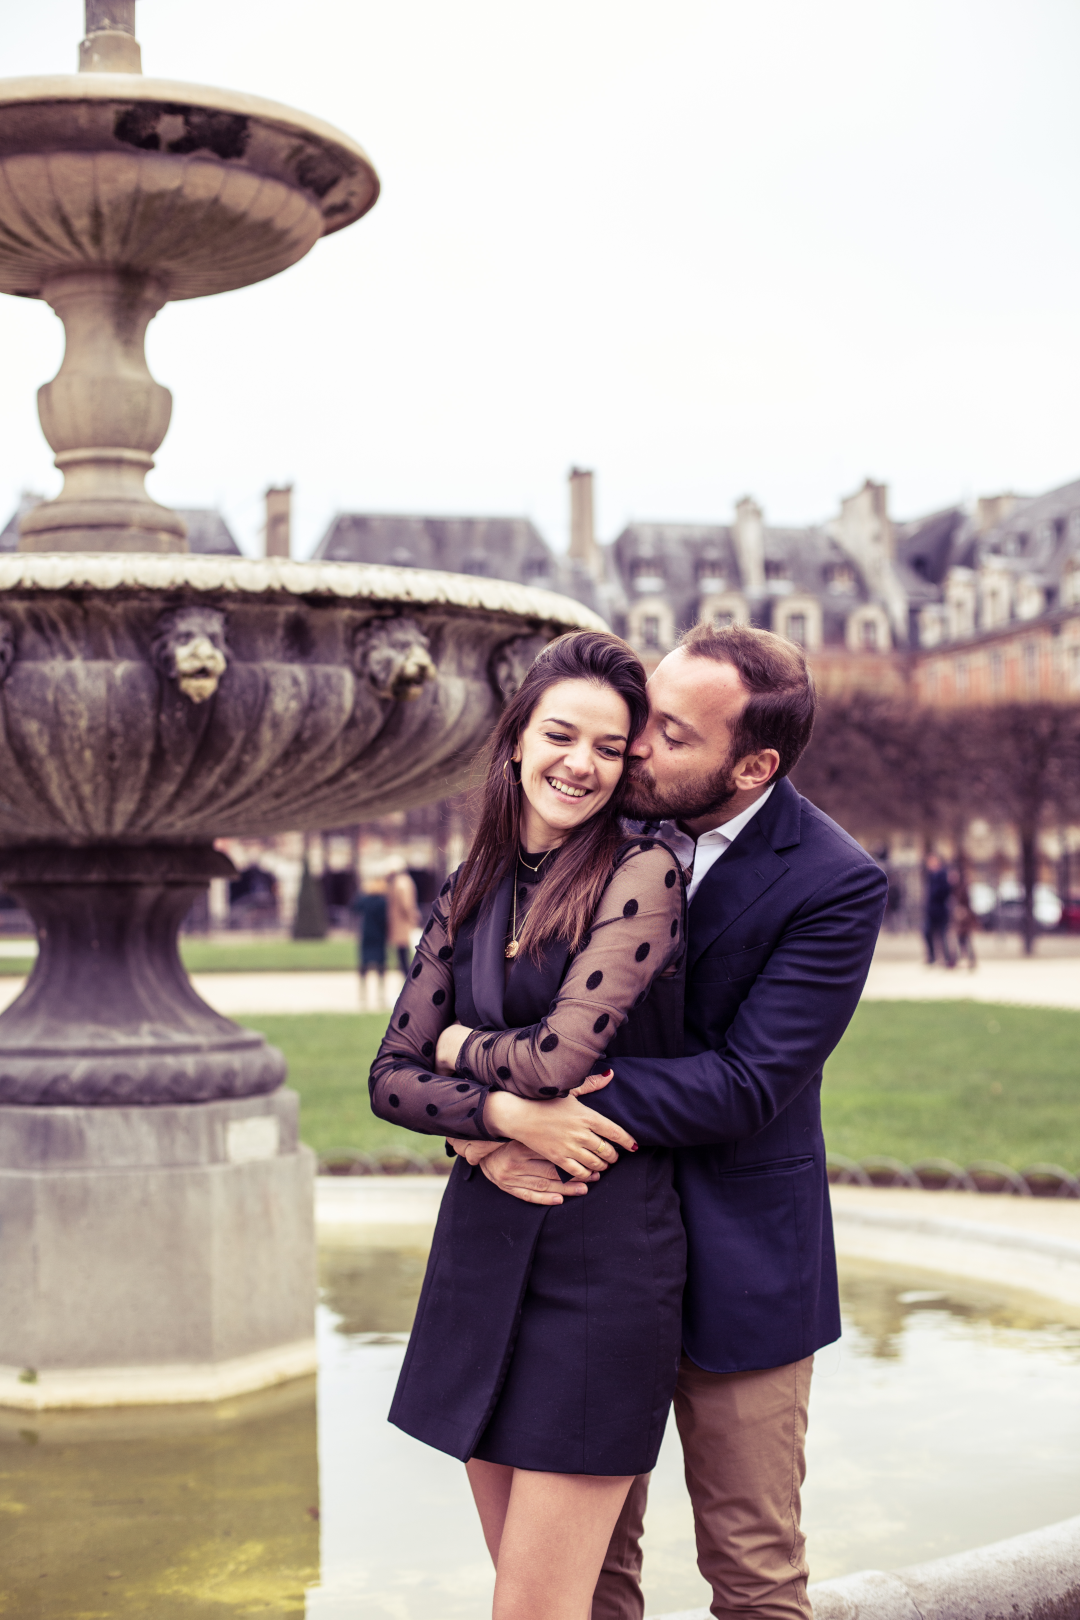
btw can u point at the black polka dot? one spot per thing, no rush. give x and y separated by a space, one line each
522 1035
430 926
461 1088
416 969
630 909
503 1072
395 1102
445 889
549 1043
593 980
428 1048
445 953
642 951
423 1078
403 1021
586 942
646 845
489 1043
601 1023
675 928
432 1110
470 1113
439 997
640 998
670 878
549 1091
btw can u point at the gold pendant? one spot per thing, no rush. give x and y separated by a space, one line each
512 949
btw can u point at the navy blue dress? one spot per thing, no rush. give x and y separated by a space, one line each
546 1337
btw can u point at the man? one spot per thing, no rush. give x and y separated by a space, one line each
936 916
784 913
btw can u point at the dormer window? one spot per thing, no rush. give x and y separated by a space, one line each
537 570
775 569
869 635
840 577
647 576
477 563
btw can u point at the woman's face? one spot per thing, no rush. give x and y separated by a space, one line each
571 755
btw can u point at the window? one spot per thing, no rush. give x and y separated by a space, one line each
1031 663
647 575
721 621
650 631
795 629
997 671
537 568
962 677
775 569
840 577
869 635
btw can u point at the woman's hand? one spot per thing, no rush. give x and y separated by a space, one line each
593 1082
572 1136
449 1047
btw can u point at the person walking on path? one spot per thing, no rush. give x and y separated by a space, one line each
936 922
784 913
369 906
545 1348
402 915
964 920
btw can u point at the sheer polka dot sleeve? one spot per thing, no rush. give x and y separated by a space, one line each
403 1084
636 935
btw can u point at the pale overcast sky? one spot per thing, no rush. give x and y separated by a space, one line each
706 247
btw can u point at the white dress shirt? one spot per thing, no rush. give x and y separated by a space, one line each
701 856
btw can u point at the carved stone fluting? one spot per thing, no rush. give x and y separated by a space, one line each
510 663
7 648
104 416
395 657
109 1015
189 648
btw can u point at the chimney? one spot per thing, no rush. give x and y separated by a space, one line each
583 547
990 510
749 534
279 521
110 45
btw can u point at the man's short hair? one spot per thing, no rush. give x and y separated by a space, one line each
780 712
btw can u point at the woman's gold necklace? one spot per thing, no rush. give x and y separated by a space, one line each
514 946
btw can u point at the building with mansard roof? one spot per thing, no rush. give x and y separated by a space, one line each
208 533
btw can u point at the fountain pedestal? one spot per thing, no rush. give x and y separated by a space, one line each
154 1254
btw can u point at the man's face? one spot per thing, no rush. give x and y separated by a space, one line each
682 766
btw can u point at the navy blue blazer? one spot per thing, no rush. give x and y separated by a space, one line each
781 934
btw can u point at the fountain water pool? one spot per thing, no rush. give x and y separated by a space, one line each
946 1418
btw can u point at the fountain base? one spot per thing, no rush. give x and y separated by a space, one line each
153 1255
109 1015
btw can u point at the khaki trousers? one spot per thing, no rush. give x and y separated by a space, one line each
743 1438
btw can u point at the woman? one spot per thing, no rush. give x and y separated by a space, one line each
546 1342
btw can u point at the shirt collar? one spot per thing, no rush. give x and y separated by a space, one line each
684 845
728 831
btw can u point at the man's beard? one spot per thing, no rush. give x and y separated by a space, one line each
686 801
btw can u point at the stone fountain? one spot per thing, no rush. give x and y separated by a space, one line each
155 1207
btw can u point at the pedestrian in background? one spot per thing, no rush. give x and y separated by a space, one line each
936 925
370 909
963 918
402 915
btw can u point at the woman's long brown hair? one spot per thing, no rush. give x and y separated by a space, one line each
569 892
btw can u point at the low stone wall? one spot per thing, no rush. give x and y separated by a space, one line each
1032 1577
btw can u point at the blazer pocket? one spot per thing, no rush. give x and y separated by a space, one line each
771 1167
744 964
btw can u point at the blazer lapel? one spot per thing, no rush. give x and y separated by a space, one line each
489 955
746 870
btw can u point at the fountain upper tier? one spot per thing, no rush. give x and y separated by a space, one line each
117 194
206 190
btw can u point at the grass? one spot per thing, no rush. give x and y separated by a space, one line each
329 1055
247 956
958 1080
955 1080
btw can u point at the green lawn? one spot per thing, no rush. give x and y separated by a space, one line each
911 1079
257 956
957 1080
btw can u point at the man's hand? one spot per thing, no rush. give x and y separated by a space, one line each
449 1047
563 1131
472 1152
516 1170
